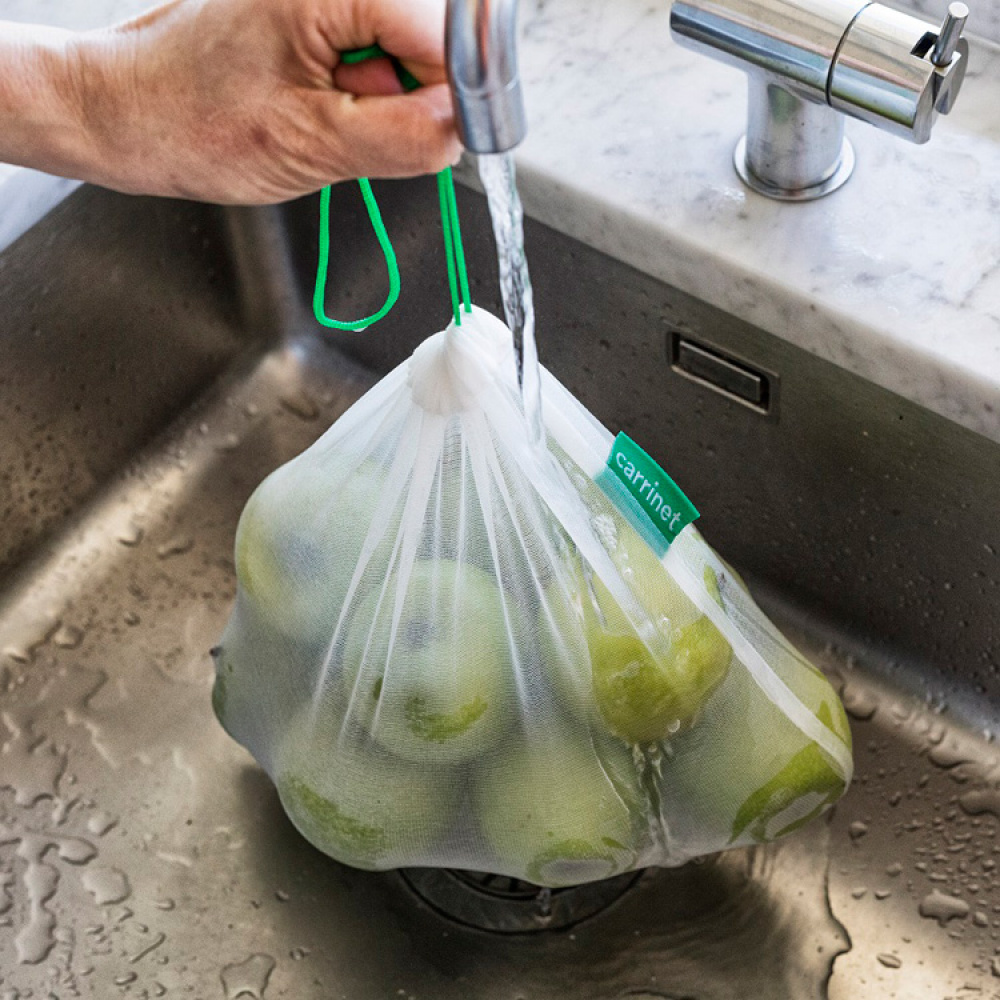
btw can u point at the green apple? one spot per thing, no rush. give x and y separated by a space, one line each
358 805
561 810
746 773
431 675
298 542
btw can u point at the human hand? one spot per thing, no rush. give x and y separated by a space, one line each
247 101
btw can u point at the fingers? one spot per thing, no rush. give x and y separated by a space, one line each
411 30
373 78
390 136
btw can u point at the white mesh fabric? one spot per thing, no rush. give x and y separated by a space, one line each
450 648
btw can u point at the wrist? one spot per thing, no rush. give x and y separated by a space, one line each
39 121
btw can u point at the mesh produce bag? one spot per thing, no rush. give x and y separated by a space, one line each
474 630
454 647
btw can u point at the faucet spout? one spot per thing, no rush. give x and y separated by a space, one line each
481 47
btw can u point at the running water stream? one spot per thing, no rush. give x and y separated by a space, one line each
498 177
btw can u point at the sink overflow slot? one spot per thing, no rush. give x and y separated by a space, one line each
725 374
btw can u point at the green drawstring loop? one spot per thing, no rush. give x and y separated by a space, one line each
458 279
323 267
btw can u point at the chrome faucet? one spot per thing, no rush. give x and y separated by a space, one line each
481 47
810 62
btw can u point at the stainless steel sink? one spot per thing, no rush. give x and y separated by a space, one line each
157 362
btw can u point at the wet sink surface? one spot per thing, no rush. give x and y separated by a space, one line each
143 853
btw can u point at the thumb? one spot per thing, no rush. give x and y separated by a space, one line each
389 136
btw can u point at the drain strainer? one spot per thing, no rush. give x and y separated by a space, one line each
510 906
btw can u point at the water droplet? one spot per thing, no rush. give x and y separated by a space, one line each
106 885
982 800
229 443
298 953
894 869
41 879
281 896
149 948
131 618
858 702
176 546
36 762
68 636
995 967
890 961
980 919
942 907
75 850
883 893
948 754
165 904
857 829
248 978
859 892
126 978
131 535
251 409
301 404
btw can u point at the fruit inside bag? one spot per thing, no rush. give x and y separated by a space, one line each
454 648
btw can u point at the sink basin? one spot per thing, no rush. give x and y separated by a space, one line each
158 362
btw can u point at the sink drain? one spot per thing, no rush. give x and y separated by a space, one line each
509 906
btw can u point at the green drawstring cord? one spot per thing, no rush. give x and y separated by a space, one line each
458 279
453 249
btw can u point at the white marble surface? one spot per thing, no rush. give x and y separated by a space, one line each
895 277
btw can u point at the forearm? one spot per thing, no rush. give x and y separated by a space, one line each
41 122
233 101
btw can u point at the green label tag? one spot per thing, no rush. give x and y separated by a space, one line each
657 496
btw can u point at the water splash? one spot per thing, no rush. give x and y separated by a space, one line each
714 930
498 177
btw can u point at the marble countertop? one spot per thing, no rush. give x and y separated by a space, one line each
895 277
